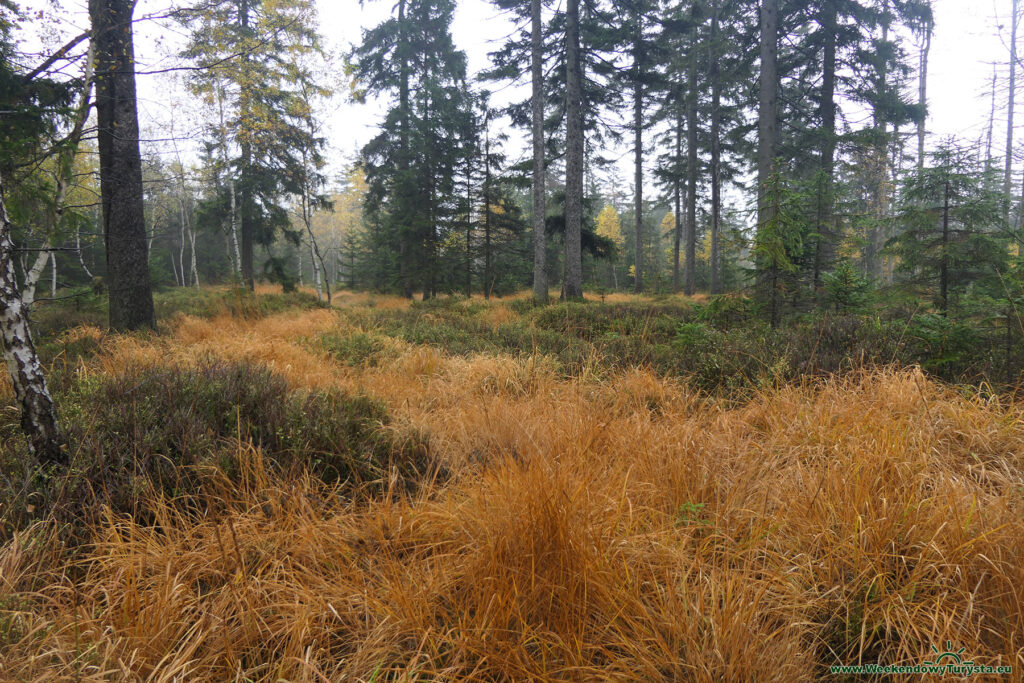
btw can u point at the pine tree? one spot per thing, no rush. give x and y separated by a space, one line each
246 51
954 227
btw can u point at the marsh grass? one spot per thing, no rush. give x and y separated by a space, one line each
612 523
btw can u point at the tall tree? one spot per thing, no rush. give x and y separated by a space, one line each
716 148
954 228
573 284
245 52
825 237
124 229
311 179
768 176
926 28
22 139
767 115
540 277
692 170
1011 96
641 79
413 206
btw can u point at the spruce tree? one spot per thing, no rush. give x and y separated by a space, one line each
246 51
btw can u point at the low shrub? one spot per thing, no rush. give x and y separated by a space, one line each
356 349
168 430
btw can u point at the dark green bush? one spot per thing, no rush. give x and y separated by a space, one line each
942 345
591 321
157 420
722 346
358 349
170 429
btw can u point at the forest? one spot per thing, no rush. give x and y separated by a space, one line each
509 340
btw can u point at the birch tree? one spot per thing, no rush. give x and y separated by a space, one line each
38 413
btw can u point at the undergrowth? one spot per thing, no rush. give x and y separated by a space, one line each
462 490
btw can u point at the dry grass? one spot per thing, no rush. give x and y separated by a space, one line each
383 301
620 528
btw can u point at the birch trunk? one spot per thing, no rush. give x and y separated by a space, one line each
38 413
28 292
78 250
192 244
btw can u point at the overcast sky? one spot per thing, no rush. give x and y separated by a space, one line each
965 46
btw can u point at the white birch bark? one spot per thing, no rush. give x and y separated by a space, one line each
38 413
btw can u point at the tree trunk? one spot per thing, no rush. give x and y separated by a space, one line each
124 229
944 266
824 250
540 276
181 239
233 252
638 154
78 250
988 132
1011 96
767 132
317 275
192 251
28 291
677 185
236 262
574 154
402 53
692 171
922 94
488 274
38 413
469 226
875 236
716 156
245 198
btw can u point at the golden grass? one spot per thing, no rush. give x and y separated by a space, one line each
382 301
621 529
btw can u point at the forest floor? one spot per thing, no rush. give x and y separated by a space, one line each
508 500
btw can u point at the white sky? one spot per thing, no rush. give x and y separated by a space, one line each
964 47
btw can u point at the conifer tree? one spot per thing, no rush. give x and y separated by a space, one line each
412 164
246 51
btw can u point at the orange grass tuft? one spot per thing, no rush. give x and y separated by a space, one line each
621 529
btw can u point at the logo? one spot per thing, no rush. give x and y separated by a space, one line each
949 662
954 656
